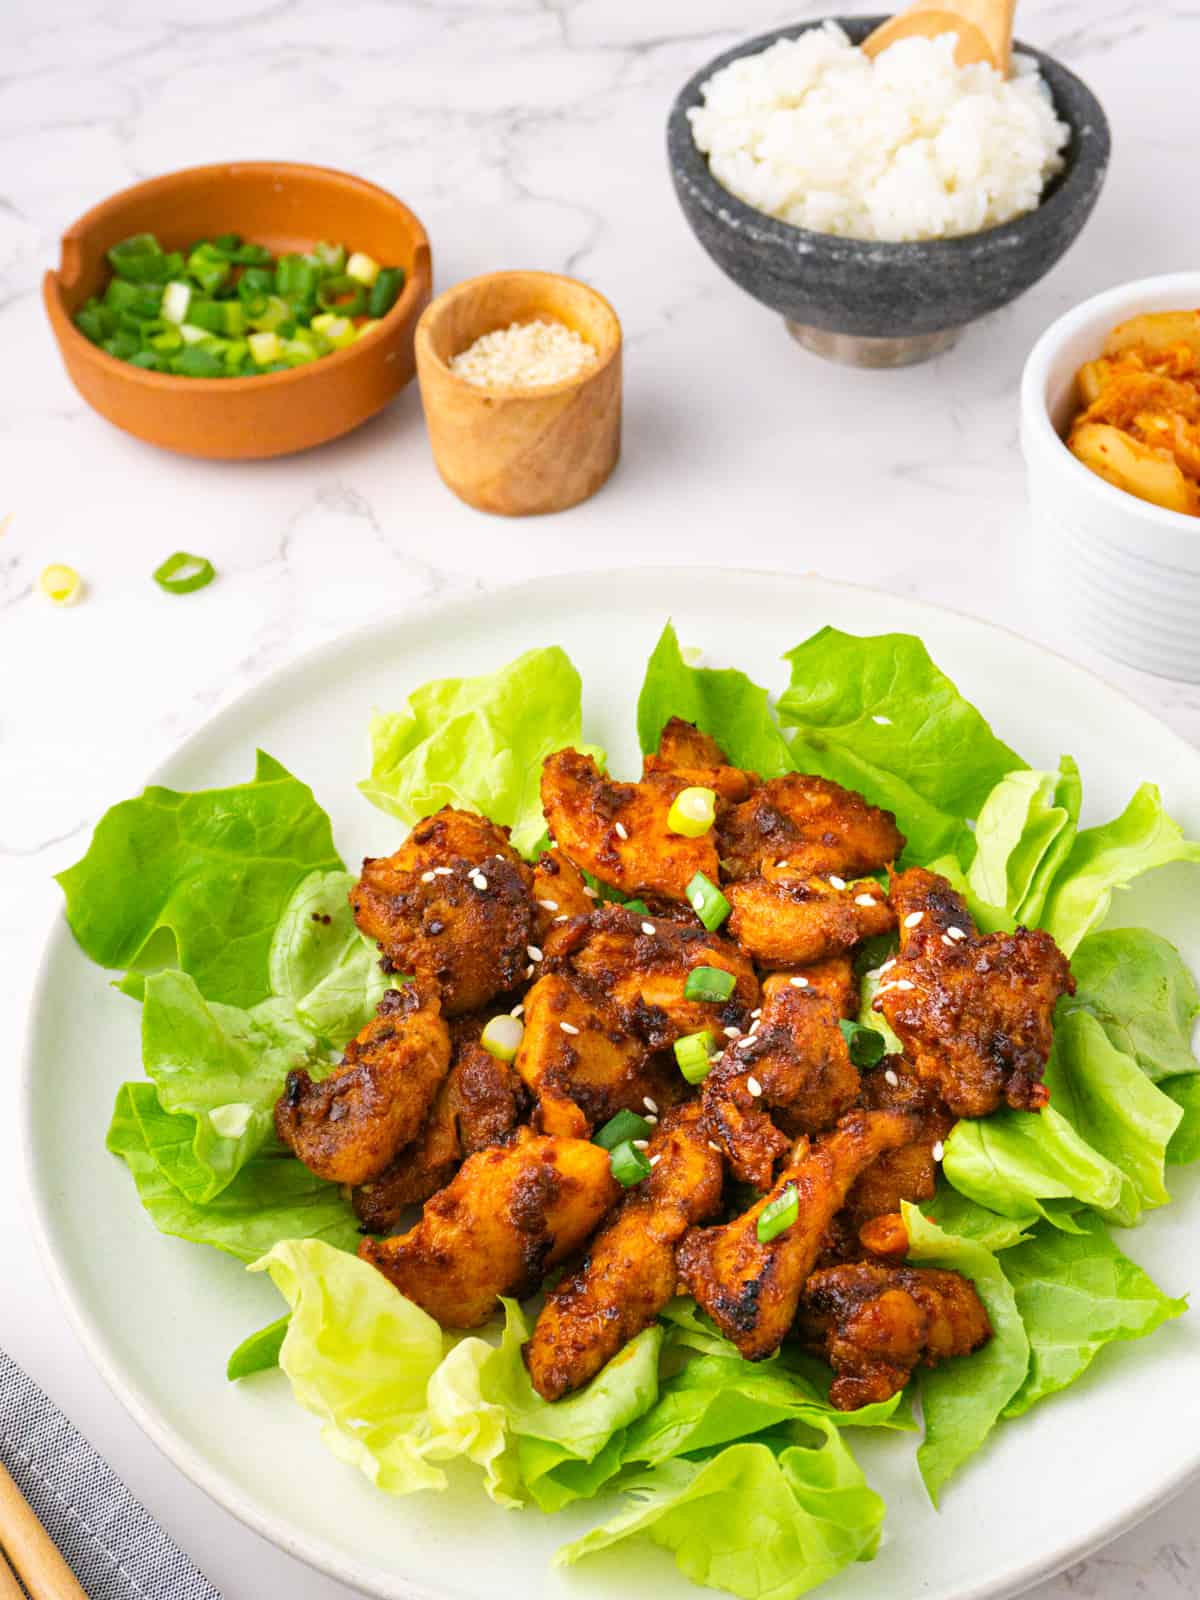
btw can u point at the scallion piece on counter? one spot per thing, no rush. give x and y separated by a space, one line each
693 1053
779 1215
709 983
61 585
707 901
866 1046
502 1037
693 812
183 573
620 1129
629 1166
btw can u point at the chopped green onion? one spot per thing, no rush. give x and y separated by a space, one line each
779 1215
210 267
709 983
365 328
61 585
175 300
296 278
190 335
339 331
332 292
693 1053
363 267
264 347
259 1351
385 291
274 314
867 1047
629 1166
330 257
620 1129
638 906
502 1037
199 360
707 901
183 573
693 812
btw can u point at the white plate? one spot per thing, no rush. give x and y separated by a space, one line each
159 1317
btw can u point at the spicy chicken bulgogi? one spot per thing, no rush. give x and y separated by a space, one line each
659 1096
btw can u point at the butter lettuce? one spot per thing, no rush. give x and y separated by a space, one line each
766 1520
1137 987
1023 835
721 701
1075 1294
1184 1146
1021 1164
1111 857
478 743
877 715
963 1400
199 880
273 1197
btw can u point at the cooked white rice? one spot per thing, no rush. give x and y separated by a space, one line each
908 146
524 355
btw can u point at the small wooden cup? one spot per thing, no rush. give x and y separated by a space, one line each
521 452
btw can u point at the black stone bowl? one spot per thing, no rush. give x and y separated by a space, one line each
882 304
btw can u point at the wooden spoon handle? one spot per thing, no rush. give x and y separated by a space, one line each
30 1549
10 1589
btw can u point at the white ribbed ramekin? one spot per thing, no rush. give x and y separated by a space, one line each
1110 570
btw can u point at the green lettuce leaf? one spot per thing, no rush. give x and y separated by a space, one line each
199 880
273 1197
1136 986
478 743
963 1399
1024 833
1025 1165
722 702
322 965
258 1351
1184 1146
876 715
1076 1293
767 1521
1111 857
954 1213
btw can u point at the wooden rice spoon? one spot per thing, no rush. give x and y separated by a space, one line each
983 29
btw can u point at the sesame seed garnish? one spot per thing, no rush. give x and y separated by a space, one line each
568 1027
743 1043
713 1145
938 1151
640 1144
444 872
884 722
956 933
654 1160
836 882
913 919
592 894
754 1087
650 1105
647 927
517 1009
798 983
733 1033
890 1078
757 1012
864 899
904 983
562 917
479 881
532 951
428 877
780 865
548 905
872 973
529 971
651 1119
884 988
946 939
716 1058
621 831
890 962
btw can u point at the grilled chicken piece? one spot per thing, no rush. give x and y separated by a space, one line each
791 1075
814 825
348 1127
639 966
911 1172
559 892
751 1290
832 978
480 1104
783 918
619 832
506 1218
874 1324
975 1014
453 906
581 1065
628 1273
691 755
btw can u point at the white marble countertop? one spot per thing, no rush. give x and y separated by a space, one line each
524 133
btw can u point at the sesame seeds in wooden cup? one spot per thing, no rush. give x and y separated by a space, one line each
510 449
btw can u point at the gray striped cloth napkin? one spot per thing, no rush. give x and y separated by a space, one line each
108 1539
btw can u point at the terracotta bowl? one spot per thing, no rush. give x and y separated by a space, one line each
515 451
285 206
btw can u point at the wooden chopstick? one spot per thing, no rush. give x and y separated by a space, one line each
31 1550
10 1589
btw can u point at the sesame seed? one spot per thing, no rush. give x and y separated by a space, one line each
444 872
946 939
716 1058
884 722
621 831
890 962
938 1151
904 983
532 951
647 927
650 1105
733 1033
780 865
913 919
517 1009
713 1145
548 905
757 1012
640 1144
836 882
592 894
562 917
479 881
890 1078
798 983
884 989
873 973
743 1043
956 933
754 1087
651 1119
529 972
754 1027
568 1027
428 877
864 899
654 1160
